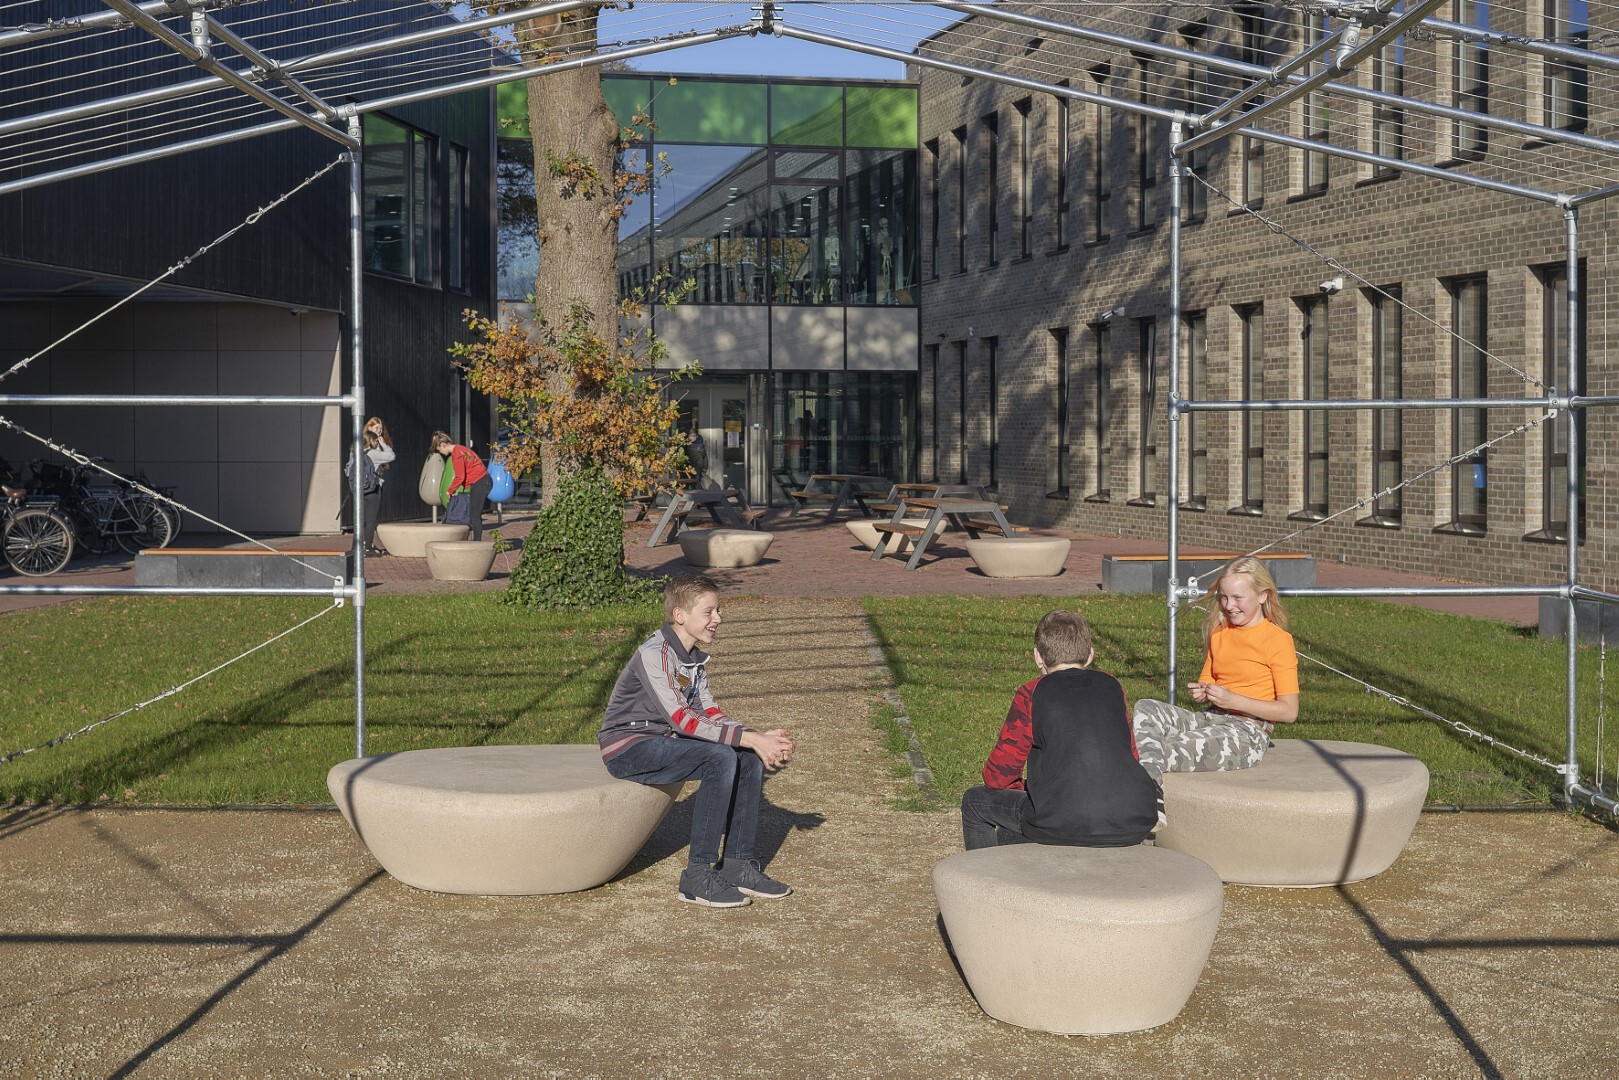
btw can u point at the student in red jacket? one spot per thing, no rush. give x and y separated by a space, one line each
1064 770
470 476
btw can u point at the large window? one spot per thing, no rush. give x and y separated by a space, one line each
932 384
992 437
783 194
1251 321
960 137
1317 112
991 127
1557 373
1062 454
1388 119
1567 85
1470 345
399 201
1146 148
1250 46
455 242
1146 413
1315 445
935 193
1388 383
1198 98
1101 155
1103 434
961 412
1064 168
1025 187
1470 79
1195 426
841 422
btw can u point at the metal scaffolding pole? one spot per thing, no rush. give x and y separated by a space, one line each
357 416
1571 771
1173 400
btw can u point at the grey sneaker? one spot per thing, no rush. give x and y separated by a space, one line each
703 885
747 877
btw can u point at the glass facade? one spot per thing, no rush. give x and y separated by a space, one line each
771 193
796 205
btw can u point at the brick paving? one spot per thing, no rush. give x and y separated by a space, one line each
808 557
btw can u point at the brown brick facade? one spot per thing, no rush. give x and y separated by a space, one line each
1424 235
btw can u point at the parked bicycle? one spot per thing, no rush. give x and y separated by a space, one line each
104 511
38 539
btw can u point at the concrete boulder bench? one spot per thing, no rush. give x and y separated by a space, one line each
460 560
1079 941
724 548
865 531
1313 812
1019 556
409 539
498 820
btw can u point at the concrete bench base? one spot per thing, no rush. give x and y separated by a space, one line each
244 567
865 531
1019 556
497 820
1126 574
1314 812
1079 941
409 539
724 548
460 560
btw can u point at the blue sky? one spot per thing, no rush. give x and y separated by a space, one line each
769 55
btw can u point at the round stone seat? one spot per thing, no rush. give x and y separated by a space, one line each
459 560
1019 556
866 532
1079 941
1313 812
724 548
409 539
497 820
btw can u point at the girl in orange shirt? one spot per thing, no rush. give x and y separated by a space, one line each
1249 681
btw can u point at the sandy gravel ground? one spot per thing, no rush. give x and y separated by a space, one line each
241 943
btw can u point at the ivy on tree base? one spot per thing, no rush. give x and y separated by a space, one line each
574 558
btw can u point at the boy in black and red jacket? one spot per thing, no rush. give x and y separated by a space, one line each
1065 769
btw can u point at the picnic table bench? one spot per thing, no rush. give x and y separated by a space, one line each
728 509
973 515
836 489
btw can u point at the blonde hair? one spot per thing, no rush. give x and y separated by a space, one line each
382 430
1265 585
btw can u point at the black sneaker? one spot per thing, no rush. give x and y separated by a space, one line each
748 878
703 885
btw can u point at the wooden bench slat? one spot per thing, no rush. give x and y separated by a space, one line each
824 496
902 530
991 525
243 551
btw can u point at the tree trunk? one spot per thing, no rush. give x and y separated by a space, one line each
575 138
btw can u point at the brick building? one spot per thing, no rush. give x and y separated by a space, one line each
1045 294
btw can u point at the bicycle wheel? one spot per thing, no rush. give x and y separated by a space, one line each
146 528
176 521
38 542
88 539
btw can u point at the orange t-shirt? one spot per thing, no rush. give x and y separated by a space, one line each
1255 661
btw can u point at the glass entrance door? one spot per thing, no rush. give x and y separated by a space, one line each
719 414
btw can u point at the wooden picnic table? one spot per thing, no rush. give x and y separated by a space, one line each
727 508
835 489
973 515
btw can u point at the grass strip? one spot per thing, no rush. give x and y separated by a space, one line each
456 670
956 661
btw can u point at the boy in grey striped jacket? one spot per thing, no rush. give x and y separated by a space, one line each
662 726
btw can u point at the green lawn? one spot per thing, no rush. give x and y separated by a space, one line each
957 660
442 671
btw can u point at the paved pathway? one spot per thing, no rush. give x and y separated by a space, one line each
226 943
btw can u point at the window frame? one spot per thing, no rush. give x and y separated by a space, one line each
1195 326
1388 372
1147 405
1316 357
1063 449
1102 344
1251 335
1469 370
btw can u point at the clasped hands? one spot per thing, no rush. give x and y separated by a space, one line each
774 747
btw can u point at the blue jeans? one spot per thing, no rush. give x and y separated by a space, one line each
730 781
991 816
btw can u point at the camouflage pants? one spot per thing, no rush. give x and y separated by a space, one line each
1172 739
